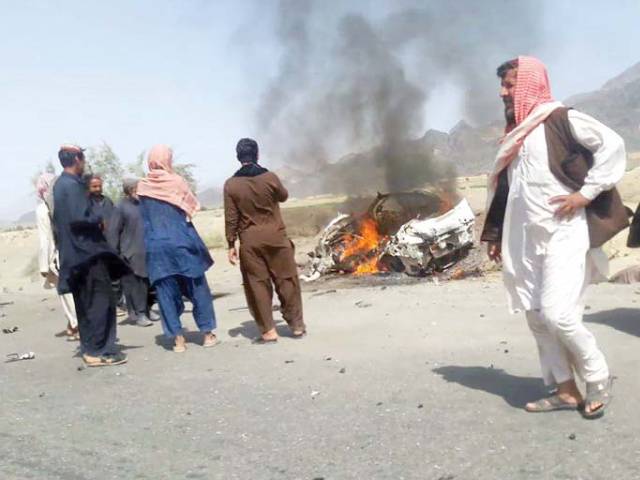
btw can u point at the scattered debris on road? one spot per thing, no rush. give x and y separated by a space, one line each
16 357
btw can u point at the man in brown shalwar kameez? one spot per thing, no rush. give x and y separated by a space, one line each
252 215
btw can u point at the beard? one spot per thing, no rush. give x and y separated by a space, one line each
509 111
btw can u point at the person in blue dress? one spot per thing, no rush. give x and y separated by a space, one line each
176 256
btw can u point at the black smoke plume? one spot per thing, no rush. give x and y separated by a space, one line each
352 81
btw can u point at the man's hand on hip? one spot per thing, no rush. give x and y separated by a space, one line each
568 205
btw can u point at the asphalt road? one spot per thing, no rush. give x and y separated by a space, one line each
415 381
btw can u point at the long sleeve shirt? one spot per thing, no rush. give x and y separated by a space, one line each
607 147
125 233
530 221
172 243
102 206
251 202
78 230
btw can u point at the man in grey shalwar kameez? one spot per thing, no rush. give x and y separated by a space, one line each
125 233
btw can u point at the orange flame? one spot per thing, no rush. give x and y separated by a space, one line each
365 244
368 267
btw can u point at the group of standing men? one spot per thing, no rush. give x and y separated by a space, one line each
148 242
552 204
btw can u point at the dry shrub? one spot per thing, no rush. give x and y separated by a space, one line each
214 240
307 221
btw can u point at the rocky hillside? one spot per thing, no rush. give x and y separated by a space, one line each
211 197
465 150
617 104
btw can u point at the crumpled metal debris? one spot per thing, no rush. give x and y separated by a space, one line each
419 247
324 258
433 244
15 357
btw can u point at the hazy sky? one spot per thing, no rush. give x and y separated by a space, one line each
190 73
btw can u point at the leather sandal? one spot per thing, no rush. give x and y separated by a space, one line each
105 360
598 392
552 404
264 341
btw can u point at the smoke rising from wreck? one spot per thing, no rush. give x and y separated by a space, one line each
351 82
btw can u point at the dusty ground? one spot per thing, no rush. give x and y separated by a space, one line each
395 381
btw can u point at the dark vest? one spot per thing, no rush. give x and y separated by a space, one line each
569 162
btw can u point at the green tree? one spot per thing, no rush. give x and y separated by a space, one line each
136 168
185 170
50 167
103 161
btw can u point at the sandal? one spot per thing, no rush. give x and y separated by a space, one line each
598 392
299 335
105 360
553 404
264 341
75 337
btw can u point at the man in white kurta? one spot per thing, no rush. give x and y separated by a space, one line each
48 255
545 248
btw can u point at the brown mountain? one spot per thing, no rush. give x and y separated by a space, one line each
468 150
616 104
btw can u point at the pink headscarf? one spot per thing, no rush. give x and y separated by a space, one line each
532 91
162 183
43 185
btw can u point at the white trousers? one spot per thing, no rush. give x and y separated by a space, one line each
69 309
564 343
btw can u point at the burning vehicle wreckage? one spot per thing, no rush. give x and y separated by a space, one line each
416 233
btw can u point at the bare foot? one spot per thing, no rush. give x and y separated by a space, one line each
270 336
180 345
569 392
209 340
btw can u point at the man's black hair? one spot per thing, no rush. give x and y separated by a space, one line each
506 66
86 178
68 157
247 150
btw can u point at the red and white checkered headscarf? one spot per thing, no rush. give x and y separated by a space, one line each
532 102
532 87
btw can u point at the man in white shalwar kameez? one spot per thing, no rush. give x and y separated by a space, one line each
545 238
48 254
